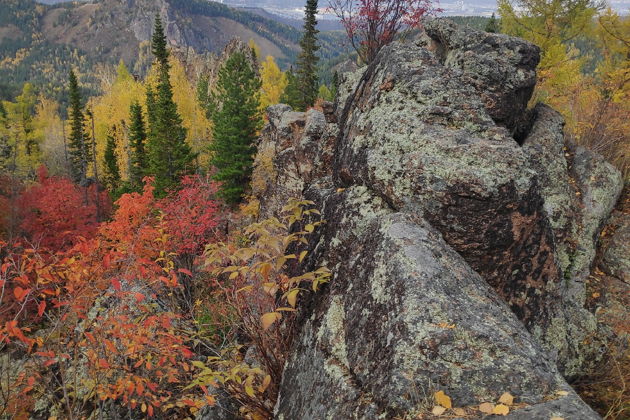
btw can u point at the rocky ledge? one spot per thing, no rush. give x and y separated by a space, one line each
460 229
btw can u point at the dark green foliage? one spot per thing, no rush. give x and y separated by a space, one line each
492 25
150 108
291 94
159 44
335 84
137 139
308 83
169 156
112 171
236 124
78 142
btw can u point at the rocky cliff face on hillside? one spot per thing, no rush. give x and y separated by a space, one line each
460 230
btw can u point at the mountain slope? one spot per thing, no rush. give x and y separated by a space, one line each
39 43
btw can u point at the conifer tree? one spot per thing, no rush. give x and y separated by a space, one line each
137 139
236 124
112 172
159 44
307 80
291 94
492 25
78 142
335 84
150 102
169 156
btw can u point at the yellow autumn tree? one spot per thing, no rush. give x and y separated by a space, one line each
274 81
49 127
111 112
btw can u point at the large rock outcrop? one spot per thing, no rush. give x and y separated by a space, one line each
460 228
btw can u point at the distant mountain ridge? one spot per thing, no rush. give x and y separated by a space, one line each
39 43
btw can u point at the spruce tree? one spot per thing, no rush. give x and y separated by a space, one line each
112 172
137 139
291 94
169 156
335 85
492 25
236 123
159 44
307 80
78 143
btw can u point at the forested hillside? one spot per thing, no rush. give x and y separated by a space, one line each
38 42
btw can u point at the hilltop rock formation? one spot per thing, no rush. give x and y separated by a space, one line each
460 228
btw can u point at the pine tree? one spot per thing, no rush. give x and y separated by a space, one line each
159 44
78 142
335 85
112 172
291 94
492 26
307 80
137 139
150 102
236 124
169 156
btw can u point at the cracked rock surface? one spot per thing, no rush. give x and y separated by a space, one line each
460 228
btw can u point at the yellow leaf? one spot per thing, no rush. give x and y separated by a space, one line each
557 418
506 399
269 318
438 410
486 408
302 255
442 399
265 384
501 409
309 228
143 408
459 411
292 297
562 393
234 275
250 391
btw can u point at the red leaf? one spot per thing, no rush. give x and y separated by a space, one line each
102 363
41 308
116 285
20 293
184 271
139 297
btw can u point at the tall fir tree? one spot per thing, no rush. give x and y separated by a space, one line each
112 171
291 95
236 120
492 26
137 140
159 44
78 142
307 80
169 156
335 84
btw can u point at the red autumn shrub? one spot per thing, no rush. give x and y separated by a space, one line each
191 215
55 213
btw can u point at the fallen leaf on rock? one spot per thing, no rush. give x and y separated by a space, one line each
459 411
506 399
442 399
562 393
486 408
438 410
557 418
501 409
